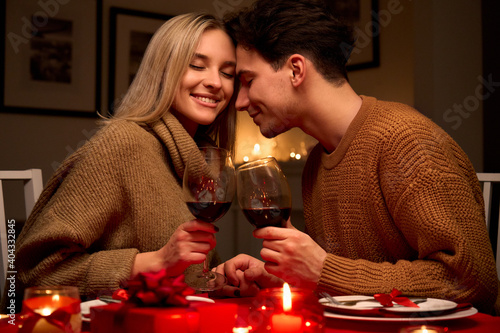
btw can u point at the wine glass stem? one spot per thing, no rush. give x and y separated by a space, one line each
205 266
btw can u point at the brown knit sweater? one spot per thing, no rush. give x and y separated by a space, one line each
398 205
118 195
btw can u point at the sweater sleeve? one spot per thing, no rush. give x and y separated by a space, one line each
454 262
66 240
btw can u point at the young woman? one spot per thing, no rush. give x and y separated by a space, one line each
114 209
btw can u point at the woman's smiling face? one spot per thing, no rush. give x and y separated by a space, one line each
208 84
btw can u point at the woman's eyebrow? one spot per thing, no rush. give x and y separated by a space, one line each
204 57
199 55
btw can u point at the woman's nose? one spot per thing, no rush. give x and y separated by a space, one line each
213 80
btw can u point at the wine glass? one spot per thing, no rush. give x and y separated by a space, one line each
263 193
209 186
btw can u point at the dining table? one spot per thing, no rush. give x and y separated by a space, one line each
476 323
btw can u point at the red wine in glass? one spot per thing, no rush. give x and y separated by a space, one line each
267 217
208 187
208 211
263 193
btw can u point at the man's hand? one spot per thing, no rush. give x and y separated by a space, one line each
246 275
291 255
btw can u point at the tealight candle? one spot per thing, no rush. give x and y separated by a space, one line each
424 329
286 310
286 322
42 302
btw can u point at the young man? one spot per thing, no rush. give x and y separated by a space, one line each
390 200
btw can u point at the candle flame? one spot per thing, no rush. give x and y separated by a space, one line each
287 297
46 311
55 298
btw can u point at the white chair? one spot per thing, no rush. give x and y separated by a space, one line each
33 186
487 179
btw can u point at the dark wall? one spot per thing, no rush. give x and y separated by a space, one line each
491 105
491 69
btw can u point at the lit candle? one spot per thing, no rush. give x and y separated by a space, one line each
45 306
286 322
424 329
256 149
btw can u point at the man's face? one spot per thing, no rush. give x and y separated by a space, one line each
264 92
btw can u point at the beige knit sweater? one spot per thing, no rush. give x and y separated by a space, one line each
398 205
118 195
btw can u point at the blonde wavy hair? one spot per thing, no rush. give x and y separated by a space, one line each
167 57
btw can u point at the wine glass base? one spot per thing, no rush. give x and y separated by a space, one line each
206 281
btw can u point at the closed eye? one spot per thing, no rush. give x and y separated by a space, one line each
227 75
247 83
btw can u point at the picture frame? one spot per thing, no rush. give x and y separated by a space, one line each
363 15
51 57
130 31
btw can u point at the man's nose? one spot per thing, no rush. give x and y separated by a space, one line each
242 101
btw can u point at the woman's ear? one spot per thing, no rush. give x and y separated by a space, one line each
297 65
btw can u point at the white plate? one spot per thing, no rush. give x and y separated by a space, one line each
85 306
432 304
364 302
199 299
454 315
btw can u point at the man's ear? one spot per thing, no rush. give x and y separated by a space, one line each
297 64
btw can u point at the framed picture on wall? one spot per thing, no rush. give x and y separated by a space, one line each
52 56
130 33
363 15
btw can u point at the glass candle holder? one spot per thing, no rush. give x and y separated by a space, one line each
54 309
424 329
270 315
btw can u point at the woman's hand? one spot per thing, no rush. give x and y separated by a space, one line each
246 276
188 245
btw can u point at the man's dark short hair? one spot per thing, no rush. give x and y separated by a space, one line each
276 29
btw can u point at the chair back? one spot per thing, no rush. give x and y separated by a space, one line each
33 186
487 180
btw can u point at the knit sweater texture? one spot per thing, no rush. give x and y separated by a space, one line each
398 205
118 195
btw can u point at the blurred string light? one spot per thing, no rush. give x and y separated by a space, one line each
290 146
258 152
